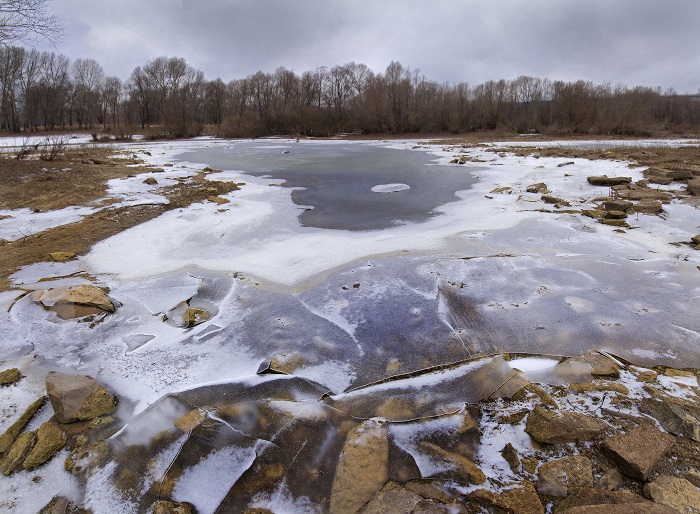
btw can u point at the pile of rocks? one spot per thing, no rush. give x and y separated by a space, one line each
80 404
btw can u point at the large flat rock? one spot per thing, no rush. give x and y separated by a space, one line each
637 452
553 427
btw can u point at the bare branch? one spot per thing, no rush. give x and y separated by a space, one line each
26 20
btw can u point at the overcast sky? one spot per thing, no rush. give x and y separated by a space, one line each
634 42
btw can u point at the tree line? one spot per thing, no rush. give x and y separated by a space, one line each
167 97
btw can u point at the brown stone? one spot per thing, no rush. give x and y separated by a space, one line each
510 454
62 256
610 480
194 316
395 409
11 433
218 199
49 440
593 213
602 365
620 508
553 427
647 376
676 493
151 181
599 386
9 376
559 477
648 206
588 500
604 180
530 464
61 505
466 469
393 498
190 420
617 205
694 186
427 490
616 215
362 468
554 200
521 499
614 223
17 452
78 397
637 452
85 295
540 188
169 507
677 417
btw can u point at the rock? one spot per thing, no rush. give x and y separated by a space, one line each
617 205
569 163
602 366
465 468
85 295
587 501
540 188
554 200
614 223
190 420
600 386
637 452
258 510
395 409
427 490
61 505
610 480
11 433
9 376
521 499
78 397
604 180
502 190
647 206
672 372
194 316
530 464
62 256
694 186
676 493
593 213
615 215
218 199
693 476
680 174
83 458
648 376
553 427
362 468
150 181
17 452
696 239
168 507
49 440
644 193
510 454
678 418
559 477
395 498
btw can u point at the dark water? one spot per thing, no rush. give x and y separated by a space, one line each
337 180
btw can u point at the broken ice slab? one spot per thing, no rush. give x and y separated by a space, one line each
569 371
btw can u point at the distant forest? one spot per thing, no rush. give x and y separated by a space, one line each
166 97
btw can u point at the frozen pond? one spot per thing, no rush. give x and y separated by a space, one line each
405 269
339 182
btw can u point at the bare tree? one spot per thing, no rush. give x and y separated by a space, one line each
22 20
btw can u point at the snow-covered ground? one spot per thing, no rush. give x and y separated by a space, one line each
491 273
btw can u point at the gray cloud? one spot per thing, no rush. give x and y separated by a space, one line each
633 42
